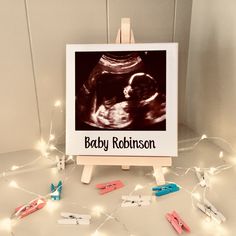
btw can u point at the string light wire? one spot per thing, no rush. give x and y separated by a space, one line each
50 146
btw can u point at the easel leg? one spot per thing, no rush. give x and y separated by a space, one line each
87 174
159 176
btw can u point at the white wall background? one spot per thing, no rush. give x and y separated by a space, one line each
31 79
211 80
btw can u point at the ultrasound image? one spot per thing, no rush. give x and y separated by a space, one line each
120 90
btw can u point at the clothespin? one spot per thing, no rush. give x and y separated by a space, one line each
136 201
202 177
61 162
211 211
178 224
56 191
74 219
29 208
165 189
109 186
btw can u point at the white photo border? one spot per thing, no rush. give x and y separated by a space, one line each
167 141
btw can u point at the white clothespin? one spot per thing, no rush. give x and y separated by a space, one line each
61 162
136 201
74 219
211 211
202 177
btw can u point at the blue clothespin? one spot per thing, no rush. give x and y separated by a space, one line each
165 189
56 191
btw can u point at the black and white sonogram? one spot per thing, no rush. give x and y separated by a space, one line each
120 90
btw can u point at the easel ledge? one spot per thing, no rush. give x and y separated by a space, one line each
124 35
156 162
125 160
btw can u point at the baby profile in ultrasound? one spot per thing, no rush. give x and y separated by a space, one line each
120 90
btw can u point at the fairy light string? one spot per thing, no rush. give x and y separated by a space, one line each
48 149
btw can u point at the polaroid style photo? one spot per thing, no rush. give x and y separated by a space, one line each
121 100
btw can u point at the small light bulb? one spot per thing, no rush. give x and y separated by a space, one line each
42 147
97 211
221 154
52 206
52 137
13 184
203 183
165 170
212 170
14 167
96 233
197 169
52 147
5 224
57 103
204 136
196 196
70 158
138 187
46 154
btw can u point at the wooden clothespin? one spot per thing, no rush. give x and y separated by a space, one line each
109 186
29 208
211 211
178 224
165 189
74 219
136 201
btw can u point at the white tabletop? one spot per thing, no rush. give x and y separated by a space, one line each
141 221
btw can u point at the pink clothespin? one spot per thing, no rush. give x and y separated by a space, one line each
178 224
29 208
109 186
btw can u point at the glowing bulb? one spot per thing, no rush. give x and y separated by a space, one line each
14 167
54 171
13 184
196 196
138 186
52 206
70 158
5 224
212 170
57 103
97 233
165 170
204 136
46 154
97 211
197 169
52 137
221 154
42 147
52 147
203 182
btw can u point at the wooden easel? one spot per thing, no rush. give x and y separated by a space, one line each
124 35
